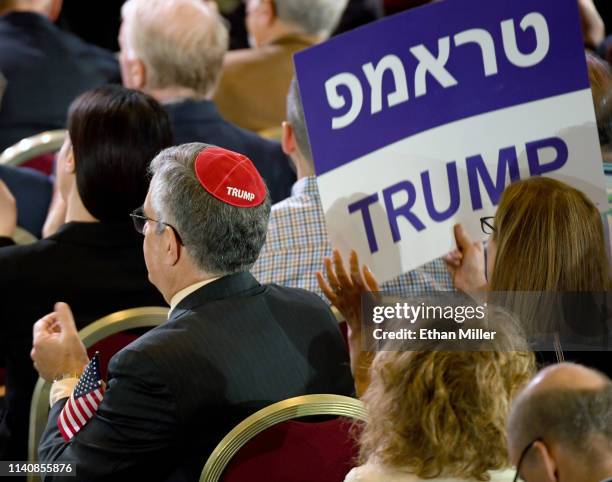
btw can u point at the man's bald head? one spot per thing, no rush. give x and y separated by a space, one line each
568 405
181 42
567 376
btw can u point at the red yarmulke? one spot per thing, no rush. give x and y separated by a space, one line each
230 177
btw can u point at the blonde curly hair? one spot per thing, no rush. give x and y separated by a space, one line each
443 413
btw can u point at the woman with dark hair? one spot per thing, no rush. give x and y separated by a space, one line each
94 260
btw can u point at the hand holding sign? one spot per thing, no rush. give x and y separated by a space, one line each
419 121
467 264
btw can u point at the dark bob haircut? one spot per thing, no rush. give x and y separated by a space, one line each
115 133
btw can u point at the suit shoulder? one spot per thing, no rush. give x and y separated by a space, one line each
298 297
13 254
241 59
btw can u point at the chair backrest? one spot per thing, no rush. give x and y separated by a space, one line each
342 324
32 147
273 416
22 236
99 330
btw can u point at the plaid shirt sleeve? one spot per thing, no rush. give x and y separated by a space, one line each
297 242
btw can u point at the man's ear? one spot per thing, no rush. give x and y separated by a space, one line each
541 462
138 74
288 141
268 12
172 246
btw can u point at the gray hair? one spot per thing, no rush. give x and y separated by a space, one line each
577 419
295 116
314 17
220 238
181 42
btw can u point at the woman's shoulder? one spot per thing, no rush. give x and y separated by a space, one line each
506 475
372 472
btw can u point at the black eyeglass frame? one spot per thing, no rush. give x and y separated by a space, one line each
138 215
486 224
522 457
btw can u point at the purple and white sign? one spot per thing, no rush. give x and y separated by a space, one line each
420 120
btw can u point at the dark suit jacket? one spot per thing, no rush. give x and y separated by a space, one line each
45 69
200 121
230 348
96 268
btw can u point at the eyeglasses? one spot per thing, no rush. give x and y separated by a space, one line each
139 218
486 224
518 477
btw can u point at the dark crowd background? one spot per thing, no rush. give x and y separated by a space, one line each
97 21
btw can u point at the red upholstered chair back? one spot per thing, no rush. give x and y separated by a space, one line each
290 441
109 346
43 163
296 451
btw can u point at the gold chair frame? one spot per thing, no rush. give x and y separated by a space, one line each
22 236
31 147
149 316
320 404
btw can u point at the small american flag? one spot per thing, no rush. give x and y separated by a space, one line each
84 401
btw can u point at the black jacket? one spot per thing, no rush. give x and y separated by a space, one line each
230 348
45 69
200 121
96 268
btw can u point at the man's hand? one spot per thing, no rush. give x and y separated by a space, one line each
57 349
8 212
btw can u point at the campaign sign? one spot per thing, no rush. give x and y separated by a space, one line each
420 120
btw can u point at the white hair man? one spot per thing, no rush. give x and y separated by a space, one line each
560 426
173 50
230 345
255 81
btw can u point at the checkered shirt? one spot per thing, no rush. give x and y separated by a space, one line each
297 241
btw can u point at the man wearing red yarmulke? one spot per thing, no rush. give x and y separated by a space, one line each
230 346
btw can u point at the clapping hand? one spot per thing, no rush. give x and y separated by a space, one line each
345 291
57 349
8 212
